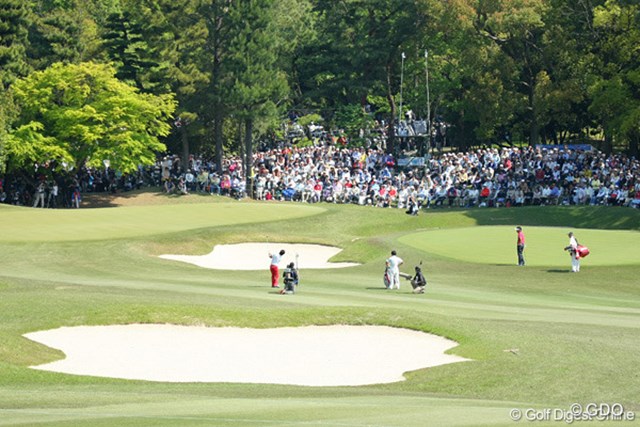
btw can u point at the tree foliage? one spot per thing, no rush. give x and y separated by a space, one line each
497 71
81 114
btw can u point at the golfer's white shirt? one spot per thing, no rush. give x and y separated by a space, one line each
394 263
275 259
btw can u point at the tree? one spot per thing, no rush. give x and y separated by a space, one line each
14 23
245 57
127 49
177 34
518 28
615 89
81 115
15 18
359 51
62 31
259 83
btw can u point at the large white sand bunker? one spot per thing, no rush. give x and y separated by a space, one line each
312 355
255 256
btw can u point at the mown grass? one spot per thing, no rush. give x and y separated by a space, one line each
539 336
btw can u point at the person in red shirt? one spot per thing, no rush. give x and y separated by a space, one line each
520 244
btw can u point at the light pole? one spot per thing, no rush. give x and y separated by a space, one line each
401 82
426 69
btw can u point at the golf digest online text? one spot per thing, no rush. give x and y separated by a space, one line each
575 413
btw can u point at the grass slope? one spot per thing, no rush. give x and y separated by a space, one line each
574 337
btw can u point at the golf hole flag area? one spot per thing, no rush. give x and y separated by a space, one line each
311 356
544 245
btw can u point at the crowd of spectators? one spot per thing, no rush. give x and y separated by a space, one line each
485 177
490 177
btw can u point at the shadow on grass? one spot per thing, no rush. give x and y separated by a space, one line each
145 196
597 217
558 271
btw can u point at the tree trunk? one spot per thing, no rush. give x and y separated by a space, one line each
391 133
607 147
534 129
633 144
248 151
185 146
217 135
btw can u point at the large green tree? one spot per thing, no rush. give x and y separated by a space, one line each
359 52
615 89
15 18
517 28
177 34
259 82
82 115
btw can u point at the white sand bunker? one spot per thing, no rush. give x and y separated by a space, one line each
255 256
312 355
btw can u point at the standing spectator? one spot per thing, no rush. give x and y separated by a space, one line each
275 260
39 197
573 251
53 195
520 244
394 267
76 198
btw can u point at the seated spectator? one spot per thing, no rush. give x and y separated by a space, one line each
440 195
612 199
554 195
203 179
519 197
602 195
484 195
472 197
214 183
225 185
635 202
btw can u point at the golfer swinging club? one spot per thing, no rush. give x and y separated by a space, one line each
275 260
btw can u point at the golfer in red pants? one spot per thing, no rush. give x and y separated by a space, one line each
275 275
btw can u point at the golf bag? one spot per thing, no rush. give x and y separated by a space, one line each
387 278
582 251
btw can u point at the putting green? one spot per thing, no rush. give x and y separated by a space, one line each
19 224
497 245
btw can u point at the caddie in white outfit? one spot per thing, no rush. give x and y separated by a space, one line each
573 250
394 265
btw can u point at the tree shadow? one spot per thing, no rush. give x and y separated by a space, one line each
597 217
123 198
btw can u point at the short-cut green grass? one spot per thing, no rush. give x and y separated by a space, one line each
544 245
539 336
